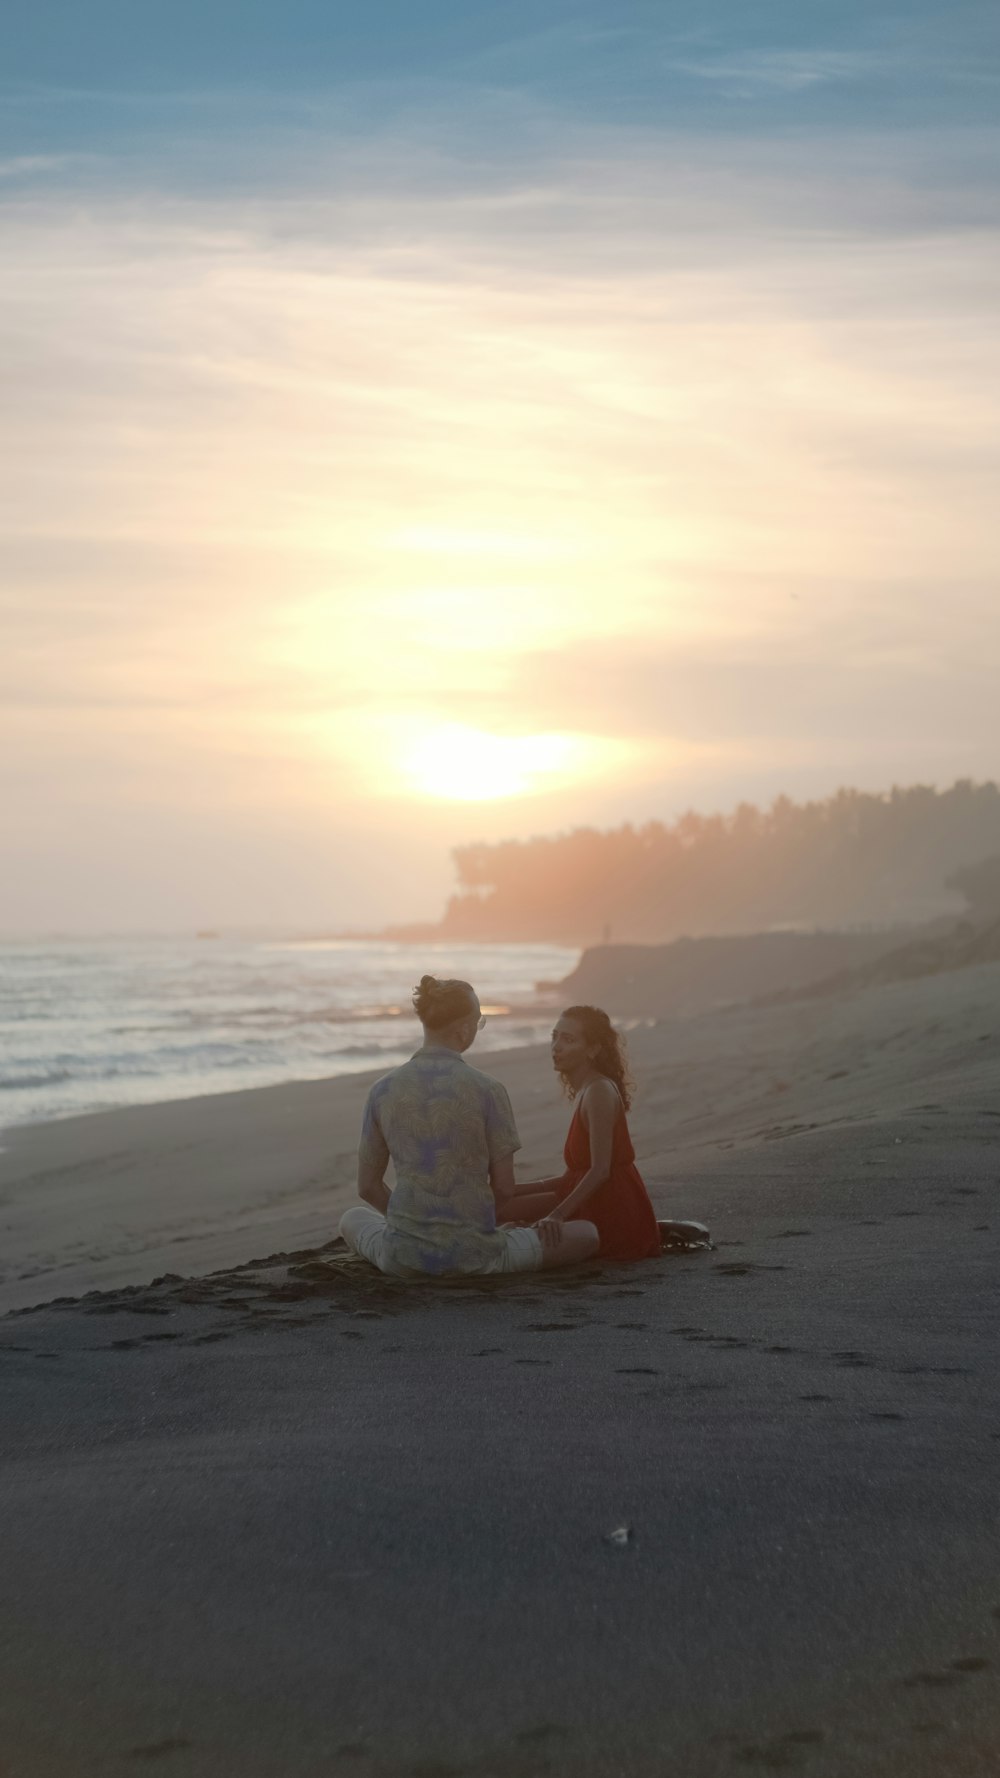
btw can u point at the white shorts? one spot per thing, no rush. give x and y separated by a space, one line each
364 1231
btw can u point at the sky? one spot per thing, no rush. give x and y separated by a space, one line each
426 424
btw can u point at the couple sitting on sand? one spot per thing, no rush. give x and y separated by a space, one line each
449 1130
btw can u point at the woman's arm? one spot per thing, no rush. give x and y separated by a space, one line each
599 1110
519 1201
534 1198
559 1183
526 1208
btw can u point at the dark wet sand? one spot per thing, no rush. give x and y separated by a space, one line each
294 1520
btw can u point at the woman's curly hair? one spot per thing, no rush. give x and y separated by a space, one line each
439 1003
611 1059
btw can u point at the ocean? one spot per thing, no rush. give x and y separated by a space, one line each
86 1025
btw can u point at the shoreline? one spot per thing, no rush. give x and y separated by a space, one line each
86 1028
375 1063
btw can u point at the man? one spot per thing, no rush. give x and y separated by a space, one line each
450 1133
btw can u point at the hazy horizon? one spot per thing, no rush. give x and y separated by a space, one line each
428 429
906 843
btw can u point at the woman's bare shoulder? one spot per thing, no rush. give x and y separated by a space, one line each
601 1095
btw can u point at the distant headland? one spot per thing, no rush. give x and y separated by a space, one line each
853 861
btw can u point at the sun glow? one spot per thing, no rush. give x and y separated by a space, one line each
462 764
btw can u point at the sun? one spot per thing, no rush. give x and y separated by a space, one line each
460 764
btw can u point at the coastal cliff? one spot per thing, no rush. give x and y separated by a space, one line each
694 975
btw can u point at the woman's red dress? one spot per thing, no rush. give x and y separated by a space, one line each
620 1208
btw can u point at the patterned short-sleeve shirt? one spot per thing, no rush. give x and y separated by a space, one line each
443 1124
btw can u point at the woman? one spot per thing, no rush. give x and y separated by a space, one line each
601 1181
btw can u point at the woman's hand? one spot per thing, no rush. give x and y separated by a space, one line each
549 1232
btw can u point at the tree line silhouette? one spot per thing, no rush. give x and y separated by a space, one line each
851 859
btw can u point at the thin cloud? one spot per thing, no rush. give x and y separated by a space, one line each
749 72
24 166
903 668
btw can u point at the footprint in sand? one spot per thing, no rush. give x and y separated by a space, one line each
782 1754
932 1679
433 1768
744 1269
158 1749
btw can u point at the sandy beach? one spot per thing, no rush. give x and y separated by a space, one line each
717 1513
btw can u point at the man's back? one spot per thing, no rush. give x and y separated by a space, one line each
443 1124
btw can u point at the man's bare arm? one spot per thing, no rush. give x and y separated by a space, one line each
371 1185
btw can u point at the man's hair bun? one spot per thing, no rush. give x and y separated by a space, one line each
440 1003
